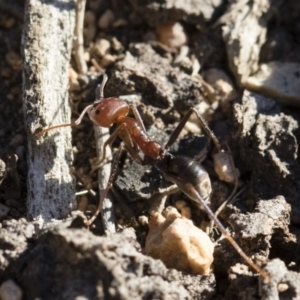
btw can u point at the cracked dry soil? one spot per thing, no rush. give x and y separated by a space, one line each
64 260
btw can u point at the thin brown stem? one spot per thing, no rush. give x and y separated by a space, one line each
78 37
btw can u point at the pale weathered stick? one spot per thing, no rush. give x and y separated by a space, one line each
78 38
47 42
107 212
105 171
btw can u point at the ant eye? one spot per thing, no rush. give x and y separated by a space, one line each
97 112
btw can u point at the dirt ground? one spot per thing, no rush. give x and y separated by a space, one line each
238 63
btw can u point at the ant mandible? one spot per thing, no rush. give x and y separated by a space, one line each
186 173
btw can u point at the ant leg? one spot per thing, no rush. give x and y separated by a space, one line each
231 199
227 235
201 156
182 123
178 129
109 141
207 130
113 171
135 155
137 116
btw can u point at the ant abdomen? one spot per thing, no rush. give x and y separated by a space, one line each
107 111
186 172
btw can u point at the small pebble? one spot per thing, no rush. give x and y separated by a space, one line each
90 27
2 170
180 204
101 47
120 23
10 22
9 290
107 19
6 72
116 45
15 213
14 59
3 210
143 220
108 60
282 287
171 34
194 249
17 140
89 17
185 210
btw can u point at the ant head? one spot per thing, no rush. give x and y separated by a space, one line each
103 112
106 111
93 110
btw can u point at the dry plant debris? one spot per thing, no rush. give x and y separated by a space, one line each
179 243
279 80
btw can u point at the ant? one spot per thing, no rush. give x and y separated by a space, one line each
186 173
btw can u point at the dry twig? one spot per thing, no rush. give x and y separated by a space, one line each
46 53
78 37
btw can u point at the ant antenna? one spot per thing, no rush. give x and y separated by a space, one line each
100 87
75 123
40 133
78 121
99 96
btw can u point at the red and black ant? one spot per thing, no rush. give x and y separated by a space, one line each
186 173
